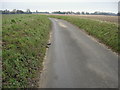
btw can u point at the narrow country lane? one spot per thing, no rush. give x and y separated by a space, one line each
75 60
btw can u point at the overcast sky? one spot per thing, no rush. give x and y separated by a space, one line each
62 5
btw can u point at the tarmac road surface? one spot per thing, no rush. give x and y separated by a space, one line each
76 60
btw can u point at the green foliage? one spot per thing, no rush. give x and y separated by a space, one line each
24 45
106 32
13 21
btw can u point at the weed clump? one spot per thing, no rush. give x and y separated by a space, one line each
13 21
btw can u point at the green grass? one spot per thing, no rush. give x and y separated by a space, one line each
106 32
24 39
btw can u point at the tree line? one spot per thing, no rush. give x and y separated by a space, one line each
85 13
15 11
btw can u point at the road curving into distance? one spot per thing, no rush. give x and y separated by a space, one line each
76 60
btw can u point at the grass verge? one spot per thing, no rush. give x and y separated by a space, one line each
24 39
106 32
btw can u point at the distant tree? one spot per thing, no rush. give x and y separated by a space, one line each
36 11
59 12
68 12
5 12
19 12
83 13
87 13
118 13
28 11
96 13
78 13
14 11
